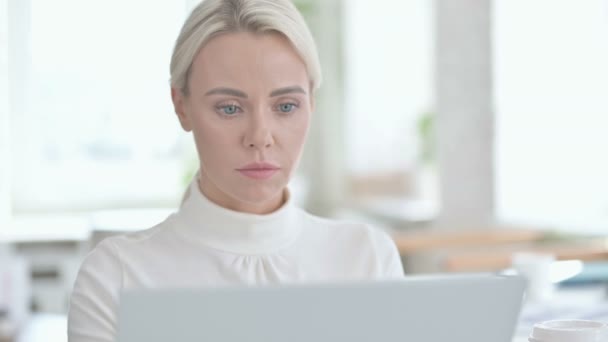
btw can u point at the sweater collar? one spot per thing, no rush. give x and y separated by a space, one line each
209 224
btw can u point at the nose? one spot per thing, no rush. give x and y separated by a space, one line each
259 134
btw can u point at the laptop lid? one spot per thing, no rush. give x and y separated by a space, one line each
467 308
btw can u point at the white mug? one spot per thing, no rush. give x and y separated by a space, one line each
536 267
569 331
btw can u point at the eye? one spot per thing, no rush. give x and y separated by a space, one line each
287 107
229 110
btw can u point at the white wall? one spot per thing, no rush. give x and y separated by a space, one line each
4 116
465 128
323 159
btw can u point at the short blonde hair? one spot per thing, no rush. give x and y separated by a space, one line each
214 17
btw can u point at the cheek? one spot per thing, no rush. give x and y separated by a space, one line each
297 133
213 141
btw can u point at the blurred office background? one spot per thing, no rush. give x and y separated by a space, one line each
468 129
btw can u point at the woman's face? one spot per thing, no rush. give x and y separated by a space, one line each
249 104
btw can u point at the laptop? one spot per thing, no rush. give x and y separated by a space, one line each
461 308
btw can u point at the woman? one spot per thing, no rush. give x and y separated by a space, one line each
243 76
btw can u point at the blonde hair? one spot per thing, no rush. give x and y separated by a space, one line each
214 17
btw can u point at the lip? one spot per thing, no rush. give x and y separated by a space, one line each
260 171
259 166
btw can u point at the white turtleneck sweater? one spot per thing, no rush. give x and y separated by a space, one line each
203 244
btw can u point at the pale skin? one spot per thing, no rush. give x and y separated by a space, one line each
249 101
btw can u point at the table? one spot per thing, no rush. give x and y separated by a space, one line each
572 302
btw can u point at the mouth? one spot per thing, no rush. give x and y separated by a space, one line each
259 171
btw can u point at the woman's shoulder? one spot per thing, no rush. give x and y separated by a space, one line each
101 277
104 261
354 240
125 241
348 229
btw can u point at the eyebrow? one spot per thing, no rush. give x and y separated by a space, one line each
226 91
238 93
287 90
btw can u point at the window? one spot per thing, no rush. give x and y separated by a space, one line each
388 78
92 120
551 73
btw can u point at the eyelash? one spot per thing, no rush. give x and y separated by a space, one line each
220 109
293 104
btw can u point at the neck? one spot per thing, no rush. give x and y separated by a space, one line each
222 199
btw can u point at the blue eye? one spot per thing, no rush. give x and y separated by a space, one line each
286 107
229 109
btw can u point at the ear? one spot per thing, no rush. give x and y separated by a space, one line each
179 104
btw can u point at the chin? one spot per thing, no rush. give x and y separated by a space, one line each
259 193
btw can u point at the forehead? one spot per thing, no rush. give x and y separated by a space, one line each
245 56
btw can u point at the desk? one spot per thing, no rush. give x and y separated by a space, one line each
482 250
574 302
